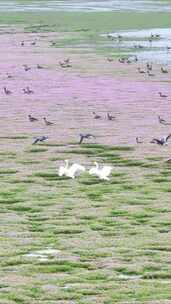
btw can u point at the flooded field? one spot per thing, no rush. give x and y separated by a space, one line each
147 44
81 5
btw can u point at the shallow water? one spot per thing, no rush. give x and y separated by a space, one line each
82 5
154 51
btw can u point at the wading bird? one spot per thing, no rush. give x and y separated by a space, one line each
40 139
85 136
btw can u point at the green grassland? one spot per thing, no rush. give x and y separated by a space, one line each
112 237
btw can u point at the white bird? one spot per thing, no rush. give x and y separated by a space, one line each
63 170
102 173
71 171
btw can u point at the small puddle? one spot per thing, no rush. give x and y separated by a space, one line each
137 41
43 255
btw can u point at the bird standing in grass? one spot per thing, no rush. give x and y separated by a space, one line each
72 171
85 136
102 173
40 139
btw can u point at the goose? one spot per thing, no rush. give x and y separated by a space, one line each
6 91
64 64
41 138
141 71
138 141
122 60
96 116
33 43
31 118
39 66
161 141
150 74
47 123
67 60
163 121
9 76
109 59
149 66
85 136
28 91
162 95
26 67
72 172
164 71
102 173
110 117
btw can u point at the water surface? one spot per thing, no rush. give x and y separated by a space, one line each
82 5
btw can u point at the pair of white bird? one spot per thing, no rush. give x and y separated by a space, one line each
75 169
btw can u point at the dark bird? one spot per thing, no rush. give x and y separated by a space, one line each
47 123
122 60
31 118
109 59
9 75
164 71
28 91
39 139
149 66
138 141
96 116
161 141
85 136
22 43
163 121
33 43
6 91
67 60
26 67
150 74
141 71
64 64
110 117
162 95
39 66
